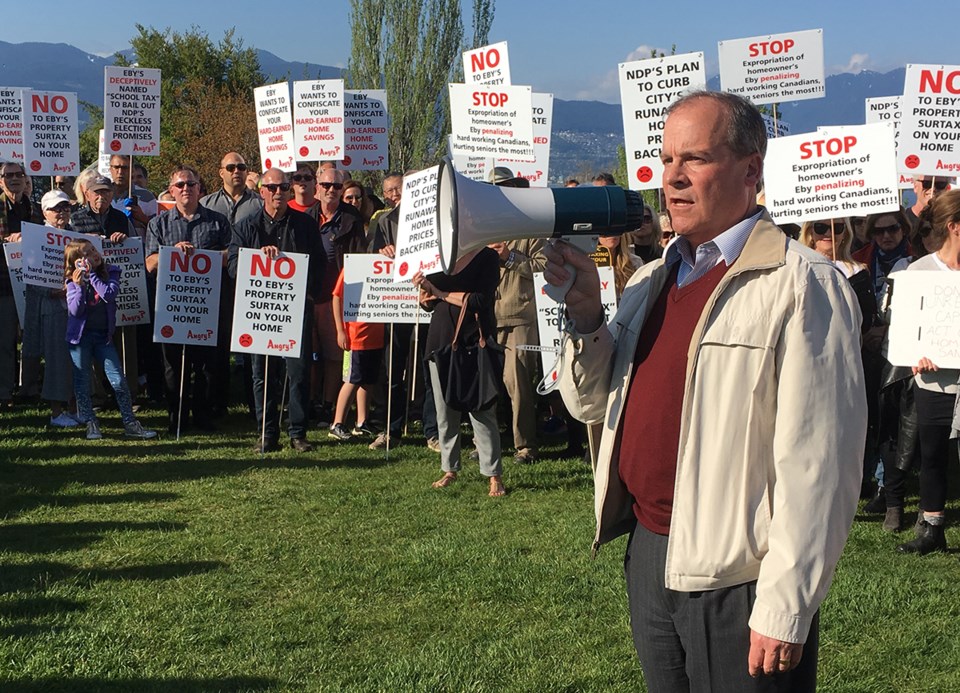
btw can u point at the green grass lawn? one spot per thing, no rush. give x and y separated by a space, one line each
197 566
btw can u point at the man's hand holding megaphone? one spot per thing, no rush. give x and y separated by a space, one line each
583 297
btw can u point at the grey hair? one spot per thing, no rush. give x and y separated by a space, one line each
746 132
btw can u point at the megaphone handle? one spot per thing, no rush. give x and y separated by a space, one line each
559 293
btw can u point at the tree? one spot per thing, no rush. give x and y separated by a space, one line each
412 49
206 99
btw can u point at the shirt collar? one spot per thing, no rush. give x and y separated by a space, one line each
729 243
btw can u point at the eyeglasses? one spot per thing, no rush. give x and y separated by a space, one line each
326 186
938 185
273 187
891 230
181 184
60 208
824 229
15 174
303 178
119 167
391 191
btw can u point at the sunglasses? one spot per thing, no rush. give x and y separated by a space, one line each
60 208
891 230
230 168
824 229
273 187
303 178
181 184
326 186
15 174
939 185
647 218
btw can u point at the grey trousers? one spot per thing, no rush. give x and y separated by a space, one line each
486 433
698 641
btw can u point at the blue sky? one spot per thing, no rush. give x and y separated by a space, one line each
569 48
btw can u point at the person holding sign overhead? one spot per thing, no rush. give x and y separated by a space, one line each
731 395
188 226
274 229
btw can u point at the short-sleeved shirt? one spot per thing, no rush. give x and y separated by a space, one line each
234 210
363 335
208 230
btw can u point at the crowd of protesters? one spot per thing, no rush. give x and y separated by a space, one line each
67 348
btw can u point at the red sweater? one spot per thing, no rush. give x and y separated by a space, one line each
650 430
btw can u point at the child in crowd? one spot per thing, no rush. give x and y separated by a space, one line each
92 287
362 344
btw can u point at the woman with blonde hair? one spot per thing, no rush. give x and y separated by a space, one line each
622 259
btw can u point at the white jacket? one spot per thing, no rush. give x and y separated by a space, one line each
772 429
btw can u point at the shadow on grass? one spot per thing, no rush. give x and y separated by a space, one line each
40 575
145 685
35 615
28 501
50 537
573 475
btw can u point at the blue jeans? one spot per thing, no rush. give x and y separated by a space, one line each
94 345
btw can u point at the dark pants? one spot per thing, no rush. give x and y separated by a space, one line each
934 417
698 641
401 341
298 377
200 362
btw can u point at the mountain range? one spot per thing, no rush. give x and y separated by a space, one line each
585 133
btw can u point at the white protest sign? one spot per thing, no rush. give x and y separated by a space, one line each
268 306
487 65
275 127
11 124
780 67
930 144
417 233
103 157
473 167
42 248
188 296
847 171
365 124
538 171
51 145
647 88
775 128
132 300
371 295
925 318
318 119
888 109
492 120
13 253
550 318
131 110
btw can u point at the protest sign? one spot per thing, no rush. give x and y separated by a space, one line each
473 167
268 307
11 124
371 295
780 67
42 248
51 145
275 127
417 233
647 88
487 65
930 143
188 296
538 171
103 157
494 121
318 119
601 256
550 318
13 252
365 125
132 300
131 110
775 128
925 318
888 109
848 171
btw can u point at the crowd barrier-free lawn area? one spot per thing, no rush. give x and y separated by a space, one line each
199 566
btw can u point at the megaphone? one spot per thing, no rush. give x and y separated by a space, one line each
471 215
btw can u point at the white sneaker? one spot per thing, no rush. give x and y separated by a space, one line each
93 430
63 420
136 430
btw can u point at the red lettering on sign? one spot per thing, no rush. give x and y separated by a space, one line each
43 103
771 47
480 61
832 147
934 82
